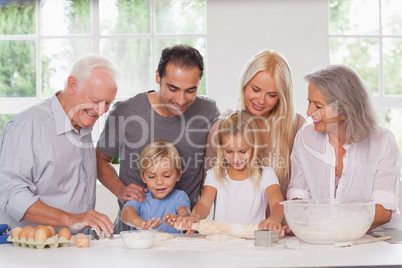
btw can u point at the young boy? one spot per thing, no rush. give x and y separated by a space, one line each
160 169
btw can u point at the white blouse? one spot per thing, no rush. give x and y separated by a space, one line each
371 170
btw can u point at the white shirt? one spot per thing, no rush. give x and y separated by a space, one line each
43 157
371 170
238 201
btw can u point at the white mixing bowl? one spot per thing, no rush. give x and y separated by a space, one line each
138 239
328 221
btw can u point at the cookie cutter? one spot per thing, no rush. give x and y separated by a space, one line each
266 238
95 235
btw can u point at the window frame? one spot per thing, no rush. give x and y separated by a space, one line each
382 102
14 105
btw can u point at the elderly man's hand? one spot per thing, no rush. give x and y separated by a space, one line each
131 192
92 219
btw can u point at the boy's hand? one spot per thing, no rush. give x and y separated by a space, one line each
150 224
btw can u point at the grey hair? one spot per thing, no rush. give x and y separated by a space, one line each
84 67
347 94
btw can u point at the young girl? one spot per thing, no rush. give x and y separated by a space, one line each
160 168
239 184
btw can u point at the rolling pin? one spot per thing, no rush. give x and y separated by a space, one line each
212 227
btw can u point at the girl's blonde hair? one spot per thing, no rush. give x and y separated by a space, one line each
154 152
243 124
282 118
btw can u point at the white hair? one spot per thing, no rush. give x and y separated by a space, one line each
84 67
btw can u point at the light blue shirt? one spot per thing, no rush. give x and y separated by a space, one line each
43 157
157 208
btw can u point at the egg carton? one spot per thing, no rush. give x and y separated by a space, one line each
51 242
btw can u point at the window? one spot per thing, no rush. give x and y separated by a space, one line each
367 35
41 39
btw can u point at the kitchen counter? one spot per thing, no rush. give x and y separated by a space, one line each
196 251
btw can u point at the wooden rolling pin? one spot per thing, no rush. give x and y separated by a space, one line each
212 227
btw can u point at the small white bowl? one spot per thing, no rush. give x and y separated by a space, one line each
138 239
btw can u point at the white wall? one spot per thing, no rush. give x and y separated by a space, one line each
238 29
106 202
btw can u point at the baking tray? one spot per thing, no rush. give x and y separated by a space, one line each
396 235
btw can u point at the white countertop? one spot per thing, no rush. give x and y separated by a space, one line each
185 251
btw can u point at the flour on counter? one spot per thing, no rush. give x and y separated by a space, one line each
222 238
214 251
201 244
162 236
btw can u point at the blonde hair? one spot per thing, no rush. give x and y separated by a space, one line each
239 123
154 152
282 118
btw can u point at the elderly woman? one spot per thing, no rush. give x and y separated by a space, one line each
345 154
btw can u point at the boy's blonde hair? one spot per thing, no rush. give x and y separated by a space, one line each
244 124
154 152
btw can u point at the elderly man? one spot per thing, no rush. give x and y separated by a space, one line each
174 113
47 158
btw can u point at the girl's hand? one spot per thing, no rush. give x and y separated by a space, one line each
171 219
150 224
187 222
271 224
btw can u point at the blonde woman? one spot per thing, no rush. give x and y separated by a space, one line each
240 188
266 91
